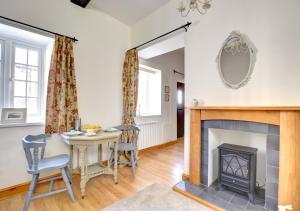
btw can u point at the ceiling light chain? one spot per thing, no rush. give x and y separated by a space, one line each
185 6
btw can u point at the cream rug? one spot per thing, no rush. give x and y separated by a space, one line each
157 198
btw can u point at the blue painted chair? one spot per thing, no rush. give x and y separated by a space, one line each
128 145
34 147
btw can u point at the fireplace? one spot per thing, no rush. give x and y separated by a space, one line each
282 127
237 168
258 134
250 153
283 184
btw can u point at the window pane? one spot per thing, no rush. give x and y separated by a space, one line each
32 105
142 95
32 74
20 88
0 56
33 57
179 97
19 102
21 55
154 93
20 72
149 96
32 89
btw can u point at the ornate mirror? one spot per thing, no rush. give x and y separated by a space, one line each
236 60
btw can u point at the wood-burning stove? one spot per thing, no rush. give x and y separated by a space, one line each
237 168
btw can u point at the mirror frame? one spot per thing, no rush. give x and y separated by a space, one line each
252 51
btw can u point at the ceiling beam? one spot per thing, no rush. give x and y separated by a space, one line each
81 3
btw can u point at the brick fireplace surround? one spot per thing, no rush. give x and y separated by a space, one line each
288 120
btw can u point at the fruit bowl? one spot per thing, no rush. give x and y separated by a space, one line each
91 128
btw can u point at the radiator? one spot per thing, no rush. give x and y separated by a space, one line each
151 134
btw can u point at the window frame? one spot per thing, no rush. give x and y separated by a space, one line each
2 49
7 79
152 71
40 74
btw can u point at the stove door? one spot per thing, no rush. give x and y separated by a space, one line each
233 164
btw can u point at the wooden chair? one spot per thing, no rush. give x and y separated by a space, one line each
127 145
34 147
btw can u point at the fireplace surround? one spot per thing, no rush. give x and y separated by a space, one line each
286 119
272 154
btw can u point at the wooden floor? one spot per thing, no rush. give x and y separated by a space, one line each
164 166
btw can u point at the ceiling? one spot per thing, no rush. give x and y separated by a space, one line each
178 53
127 11
17 33
164 46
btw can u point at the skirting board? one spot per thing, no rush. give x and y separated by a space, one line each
23 187
157 147
185 176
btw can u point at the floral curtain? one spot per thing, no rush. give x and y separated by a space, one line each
61 106
130 86
130 89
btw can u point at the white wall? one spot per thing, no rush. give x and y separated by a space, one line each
99 56
13 161
273 27
161 129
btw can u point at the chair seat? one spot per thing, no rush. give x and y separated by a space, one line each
125 147
55 162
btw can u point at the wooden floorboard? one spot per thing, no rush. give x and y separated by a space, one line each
163 166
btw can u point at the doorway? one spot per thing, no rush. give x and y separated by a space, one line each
180 110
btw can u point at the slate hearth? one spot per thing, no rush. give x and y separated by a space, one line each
272 156
226 199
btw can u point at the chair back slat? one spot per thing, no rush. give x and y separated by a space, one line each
34 147
136 131
130 134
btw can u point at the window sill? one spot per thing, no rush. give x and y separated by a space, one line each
149 116
27 124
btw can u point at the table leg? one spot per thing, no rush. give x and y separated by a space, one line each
83 168
100 153
77 158
71 162
116 162
109 156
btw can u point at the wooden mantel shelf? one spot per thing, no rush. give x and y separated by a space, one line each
286 117
249 108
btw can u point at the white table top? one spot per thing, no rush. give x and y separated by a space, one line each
98 137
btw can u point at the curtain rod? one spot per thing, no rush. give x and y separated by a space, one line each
38 28
177 72
185 26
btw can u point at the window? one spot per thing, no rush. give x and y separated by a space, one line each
1 72
22 70
26 79
149 92
1 46
179 97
